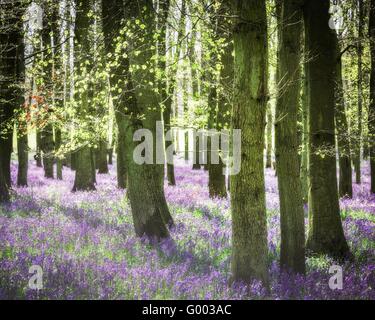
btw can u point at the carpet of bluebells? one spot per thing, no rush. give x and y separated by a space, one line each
87 248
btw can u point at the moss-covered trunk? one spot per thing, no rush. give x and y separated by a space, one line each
371 123
249 224
138 109
304 170
292 248
343 140
326 234
85 171
101 159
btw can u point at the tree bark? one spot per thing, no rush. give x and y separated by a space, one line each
249 224
343 141
38 154
269 137
145 191
11 48
305 137
23 157
292 248
326 234
59 161
102 162
122 175
371 119
357 158
85 171
46 88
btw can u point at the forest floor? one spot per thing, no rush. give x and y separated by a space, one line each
87 248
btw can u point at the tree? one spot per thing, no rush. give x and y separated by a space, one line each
343 140
166 87
216 33
372 95
45 88
22 107
249 225
11 48
326 234
85 171
357 158
269 137
292 249
139 108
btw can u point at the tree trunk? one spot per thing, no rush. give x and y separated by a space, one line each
249 224
85 172
305 138
357 158
168 88
343 141
269 137
292 221
220 117
196 157
326 234
59 161
145 190
371 121
38 154
23 157
4 191
23 108
121 154
46 88
47 147
102 163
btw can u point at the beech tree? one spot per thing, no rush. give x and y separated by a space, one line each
140 109
372 95
249 225
326 235
84 166
292 248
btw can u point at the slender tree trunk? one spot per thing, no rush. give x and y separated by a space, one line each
305 139
269 137
121 154
38 155
220 118
292 249
59 161
371 119
357 159
343 141
168 91
196 157
326 234
249 224
102 163
46 63
4 191
85 171
23 157
23 107
47 148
